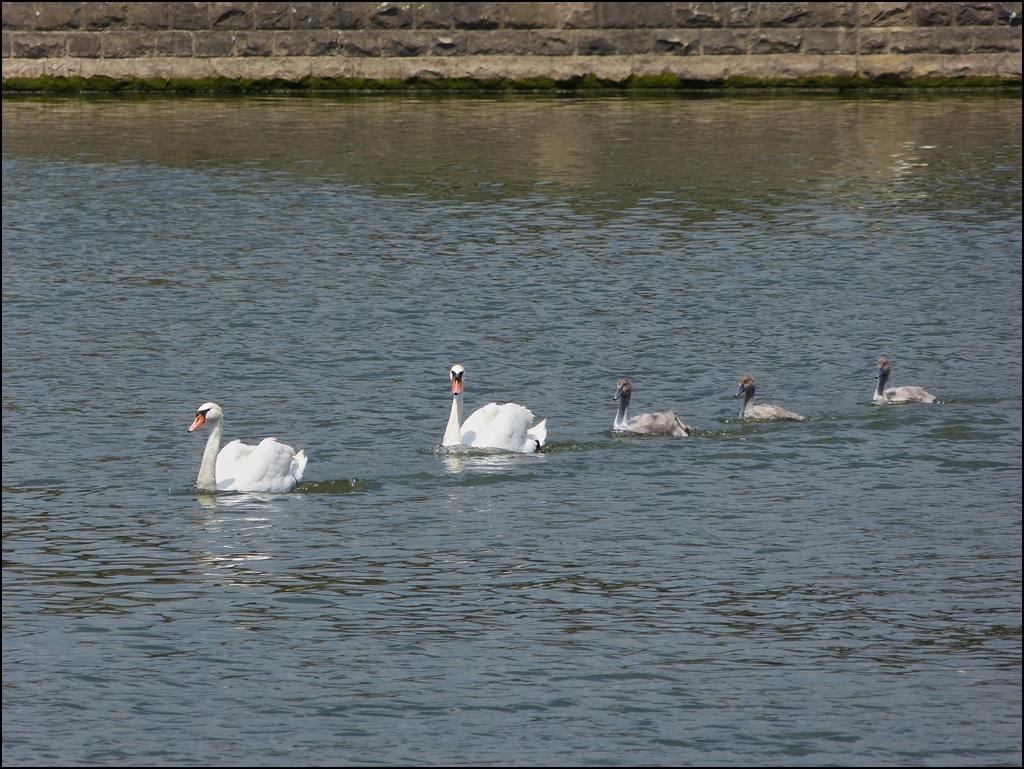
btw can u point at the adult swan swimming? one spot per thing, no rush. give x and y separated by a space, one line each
270 466
506 426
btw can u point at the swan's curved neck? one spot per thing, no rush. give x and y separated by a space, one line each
620 416
207 478
453 433
748 404
883 377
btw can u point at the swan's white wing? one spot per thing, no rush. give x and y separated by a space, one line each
500 427
270 466
478 423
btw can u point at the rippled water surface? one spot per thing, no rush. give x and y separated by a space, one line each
845 589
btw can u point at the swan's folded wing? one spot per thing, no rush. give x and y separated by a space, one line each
507 430
478 423
266 467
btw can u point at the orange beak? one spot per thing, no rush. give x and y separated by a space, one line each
196 422
456 385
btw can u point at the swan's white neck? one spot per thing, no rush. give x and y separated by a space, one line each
207 478
621 420
453 433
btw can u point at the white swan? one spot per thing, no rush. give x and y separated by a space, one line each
905 394
654 423
271 466
763 410
506 426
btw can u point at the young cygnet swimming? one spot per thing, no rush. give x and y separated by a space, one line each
655 423
906 394
763 410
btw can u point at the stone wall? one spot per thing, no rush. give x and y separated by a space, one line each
664 42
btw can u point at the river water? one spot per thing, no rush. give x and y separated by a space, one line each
845 589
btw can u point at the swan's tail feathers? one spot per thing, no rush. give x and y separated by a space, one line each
539 432
299 464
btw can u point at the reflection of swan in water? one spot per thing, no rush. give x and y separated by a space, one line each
270 466
507 426
653 423
456 463
905 394
763 410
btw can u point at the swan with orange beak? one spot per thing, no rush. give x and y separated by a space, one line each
507 426
270 466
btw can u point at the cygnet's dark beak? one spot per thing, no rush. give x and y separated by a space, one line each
739 392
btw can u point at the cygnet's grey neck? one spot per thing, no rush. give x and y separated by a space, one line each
620 416
748 404
883 377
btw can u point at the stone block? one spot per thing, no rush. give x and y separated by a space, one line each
254 43
231 15
1004 11
871 41
189 15
634 15
834 14
38 45
610 42
448 43
498 41
405 42
776 40
432 15
995 40
718 42
272 15
595 43
476 15
829 41
550 43
700 14
54 16
681 42
6 45
975 14
291 43
307 15
127 45
324 42
651 15
885 14
533 16
149 16
98 16
19 16
578 15
392 16
84 45
348 15
173 42
784 14
214 43
933 14
361 43
953 40
741 15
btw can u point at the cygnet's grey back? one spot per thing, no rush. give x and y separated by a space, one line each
651 423
747 388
